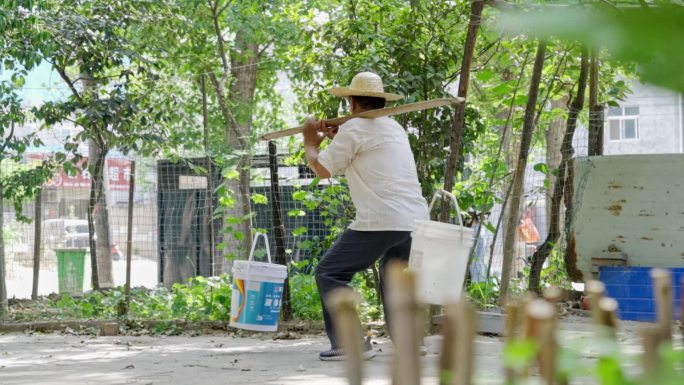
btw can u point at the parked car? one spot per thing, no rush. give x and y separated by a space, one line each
70 233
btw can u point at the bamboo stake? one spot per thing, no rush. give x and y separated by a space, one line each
596 290
608 315
540 326
553 294
652 337
449 341
466 319
662 286
401 299
343 304
682 310
513 323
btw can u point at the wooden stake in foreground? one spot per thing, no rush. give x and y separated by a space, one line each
541 324
652 337
343 303
389 111
458 331
596 291
514 322
463 361
608 315
401 300
662 286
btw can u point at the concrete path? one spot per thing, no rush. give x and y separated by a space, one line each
223 359
204 360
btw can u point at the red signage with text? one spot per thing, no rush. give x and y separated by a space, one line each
118 175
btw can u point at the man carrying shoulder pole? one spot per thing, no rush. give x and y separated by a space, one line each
376 158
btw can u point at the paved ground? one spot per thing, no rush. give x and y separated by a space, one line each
20 278
205 360
221 359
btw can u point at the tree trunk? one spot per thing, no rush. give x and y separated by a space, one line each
4 309
236 106
476 8
554 139
519 175
37 231
99 215
567 152
244 73
92 202
595 144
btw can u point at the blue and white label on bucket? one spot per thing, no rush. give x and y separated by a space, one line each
256 303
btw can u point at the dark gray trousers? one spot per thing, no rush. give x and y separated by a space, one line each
355 251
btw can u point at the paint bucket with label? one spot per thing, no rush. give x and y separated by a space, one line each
257 292
439 257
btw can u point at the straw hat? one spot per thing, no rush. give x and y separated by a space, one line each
365 84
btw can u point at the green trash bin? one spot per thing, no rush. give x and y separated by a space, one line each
70 268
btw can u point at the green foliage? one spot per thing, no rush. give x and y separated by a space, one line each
370 308
306 304
484 294
632 34
201 299
334 204
611 365
19 183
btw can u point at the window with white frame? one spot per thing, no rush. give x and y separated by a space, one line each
623 123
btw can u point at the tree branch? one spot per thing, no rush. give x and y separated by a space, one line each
9 137
225 109
261 51
225 6
62 73
548 92
221 43
453 76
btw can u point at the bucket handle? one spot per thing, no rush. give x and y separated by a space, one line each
442 192
254 242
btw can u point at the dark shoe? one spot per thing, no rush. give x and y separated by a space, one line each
336 354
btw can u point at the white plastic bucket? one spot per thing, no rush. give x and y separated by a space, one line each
257 292
439 257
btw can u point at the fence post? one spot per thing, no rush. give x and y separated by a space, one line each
37 235
129 235
278 227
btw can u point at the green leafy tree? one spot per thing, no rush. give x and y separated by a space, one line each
231 50
92 45
17 184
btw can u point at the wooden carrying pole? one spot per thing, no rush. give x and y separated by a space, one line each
410 107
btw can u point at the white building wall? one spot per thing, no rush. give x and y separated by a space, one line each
660 130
